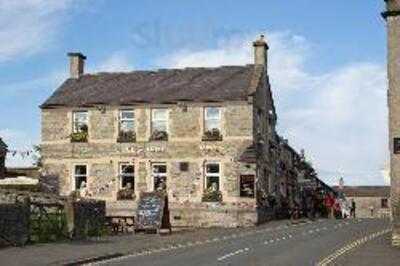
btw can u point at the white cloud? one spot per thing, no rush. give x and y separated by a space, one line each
29 26
339 116
116 62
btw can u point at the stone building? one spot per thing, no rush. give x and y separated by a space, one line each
392 16
203 135
3 153
371 201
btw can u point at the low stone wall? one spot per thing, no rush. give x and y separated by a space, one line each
14 223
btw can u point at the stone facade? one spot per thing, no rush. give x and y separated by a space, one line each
244 185
371 207
392 16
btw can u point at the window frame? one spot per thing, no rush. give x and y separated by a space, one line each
75 176
122 175
75 123
121 119
206 175
152 120
206 119
165 175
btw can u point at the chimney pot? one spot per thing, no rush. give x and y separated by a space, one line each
76 64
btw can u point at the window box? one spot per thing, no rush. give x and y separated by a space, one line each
79 136
159 136
212 135
126 194
212 196
126 137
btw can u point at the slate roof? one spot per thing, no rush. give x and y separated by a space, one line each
365 191
225 83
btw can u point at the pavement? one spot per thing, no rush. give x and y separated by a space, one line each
320 242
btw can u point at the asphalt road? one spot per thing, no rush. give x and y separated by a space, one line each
301 244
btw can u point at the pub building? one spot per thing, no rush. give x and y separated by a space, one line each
205 136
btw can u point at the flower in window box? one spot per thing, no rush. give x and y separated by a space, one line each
126 194
211 195
212 135
81 135
126 136
159 135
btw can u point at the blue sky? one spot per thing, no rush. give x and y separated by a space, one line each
327 64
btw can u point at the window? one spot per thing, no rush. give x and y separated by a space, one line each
212 118
159 175
384 203
247 186
159 120
80 176
127 176
80 121
212 174
127 121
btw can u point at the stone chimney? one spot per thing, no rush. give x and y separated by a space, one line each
260 51
392 16
76 65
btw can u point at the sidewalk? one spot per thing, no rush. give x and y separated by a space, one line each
73 251
375 252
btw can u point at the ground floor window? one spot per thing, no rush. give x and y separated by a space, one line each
80 176
159 175
212 175
247 186
384 203
127 176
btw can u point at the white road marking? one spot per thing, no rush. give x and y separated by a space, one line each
234 253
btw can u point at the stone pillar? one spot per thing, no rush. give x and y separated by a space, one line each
392 16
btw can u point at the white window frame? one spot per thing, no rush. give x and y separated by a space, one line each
74 176
152 120
75 123
121 175
121 120
206 110
206 175
162 174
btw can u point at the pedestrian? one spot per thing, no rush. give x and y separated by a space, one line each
353 209
371 208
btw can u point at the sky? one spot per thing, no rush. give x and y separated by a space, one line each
327 65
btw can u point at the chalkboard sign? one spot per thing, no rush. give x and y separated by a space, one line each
151 211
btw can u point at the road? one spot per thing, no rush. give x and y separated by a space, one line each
299 244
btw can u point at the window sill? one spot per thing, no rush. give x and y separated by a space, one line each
204 138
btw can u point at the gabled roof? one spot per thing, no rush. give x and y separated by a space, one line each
365 191
225 83
3 146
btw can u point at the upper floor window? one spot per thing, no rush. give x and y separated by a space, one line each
127 120
80 176
80 121
127 175
126 126
159 124
212 118
212 124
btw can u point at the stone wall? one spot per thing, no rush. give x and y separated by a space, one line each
14 223
363 205
103 155
393 26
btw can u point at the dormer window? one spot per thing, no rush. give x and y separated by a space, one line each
212 124
126 126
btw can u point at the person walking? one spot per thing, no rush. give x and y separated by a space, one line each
353 209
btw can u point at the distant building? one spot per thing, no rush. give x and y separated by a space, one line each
3 153
392 16
371 201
